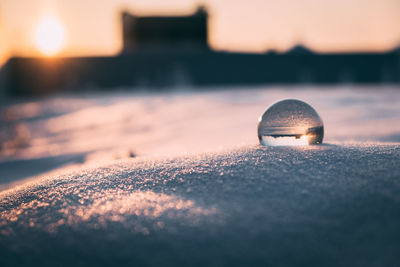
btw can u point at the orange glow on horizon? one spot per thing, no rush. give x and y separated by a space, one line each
234 26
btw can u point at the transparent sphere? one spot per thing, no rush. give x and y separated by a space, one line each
290 122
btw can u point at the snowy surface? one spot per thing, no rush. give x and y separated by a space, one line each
327 205
39 136
179 179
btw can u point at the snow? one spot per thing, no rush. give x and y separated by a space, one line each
179 179
80 129
325 205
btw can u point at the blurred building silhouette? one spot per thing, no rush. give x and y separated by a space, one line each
161 52
164 33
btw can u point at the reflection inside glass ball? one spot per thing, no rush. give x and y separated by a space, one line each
290 123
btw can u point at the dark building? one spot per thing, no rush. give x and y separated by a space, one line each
162 52
165 33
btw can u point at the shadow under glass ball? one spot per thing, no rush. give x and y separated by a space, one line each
290 122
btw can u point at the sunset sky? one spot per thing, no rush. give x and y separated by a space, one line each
93 27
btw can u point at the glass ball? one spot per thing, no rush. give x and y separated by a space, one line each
290 122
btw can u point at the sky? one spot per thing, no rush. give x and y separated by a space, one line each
93 27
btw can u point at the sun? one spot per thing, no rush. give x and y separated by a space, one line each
49 36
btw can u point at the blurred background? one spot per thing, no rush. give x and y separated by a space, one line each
89 81
104 44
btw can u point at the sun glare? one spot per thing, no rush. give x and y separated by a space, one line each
49 36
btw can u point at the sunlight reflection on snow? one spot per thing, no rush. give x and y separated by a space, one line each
132 210
148 204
